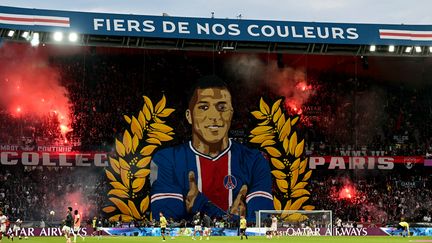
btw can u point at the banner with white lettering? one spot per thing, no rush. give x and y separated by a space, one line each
212 28
50 156
363 162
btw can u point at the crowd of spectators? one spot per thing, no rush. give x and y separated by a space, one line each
31 193
351 114
375 199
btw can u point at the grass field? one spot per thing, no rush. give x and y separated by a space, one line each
341 239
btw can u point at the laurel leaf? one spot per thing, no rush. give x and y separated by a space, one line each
124 177
147 150
160 105
285 145
277 115
299 185
127 141
285 131
308 207
153 141
123 164
299 149
299 193
264 108
161 127
115 165
118 193
118 185
258 115
120 205
265 122
295 165
138 184
160 136
303 165
277 204
134 210
142 173
261 138
286 208
275 106
277 163
147 112
135 143
109 209
148 103
282 185
307 176
166 112
293 143
262 130
120 148
110 176
136 128
280 123
116 218
294 177
293 122
141 119
143 162
278 174
288 205
298 203
157 120
273 152
127 119
295 217
268 142
144 204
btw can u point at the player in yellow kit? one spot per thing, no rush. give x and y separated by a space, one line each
243 226
163 225
405 226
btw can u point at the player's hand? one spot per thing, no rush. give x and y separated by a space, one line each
240 202
193 192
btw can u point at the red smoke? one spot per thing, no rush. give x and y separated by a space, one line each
292 84
348 192
30 86
77 201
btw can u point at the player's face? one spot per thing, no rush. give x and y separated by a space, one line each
211 114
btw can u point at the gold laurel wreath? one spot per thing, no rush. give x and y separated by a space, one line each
277 136
129 172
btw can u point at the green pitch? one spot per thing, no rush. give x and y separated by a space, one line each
256 239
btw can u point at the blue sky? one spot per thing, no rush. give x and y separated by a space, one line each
341 11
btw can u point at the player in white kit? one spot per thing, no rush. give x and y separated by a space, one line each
273 227
3 220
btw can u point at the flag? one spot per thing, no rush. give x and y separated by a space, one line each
31 19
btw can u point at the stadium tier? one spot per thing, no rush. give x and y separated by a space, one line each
213 124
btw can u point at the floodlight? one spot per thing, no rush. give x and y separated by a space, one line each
58 36
73 37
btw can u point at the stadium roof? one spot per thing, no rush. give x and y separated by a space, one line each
211 34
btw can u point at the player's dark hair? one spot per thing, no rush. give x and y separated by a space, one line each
76 212
205 82
70 209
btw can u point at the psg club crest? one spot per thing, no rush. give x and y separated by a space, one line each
230 182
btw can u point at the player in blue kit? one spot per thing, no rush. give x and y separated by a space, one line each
211 173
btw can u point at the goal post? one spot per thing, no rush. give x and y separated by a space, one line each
310 222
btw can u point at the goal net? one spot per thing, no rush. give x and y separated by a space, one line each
296 222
